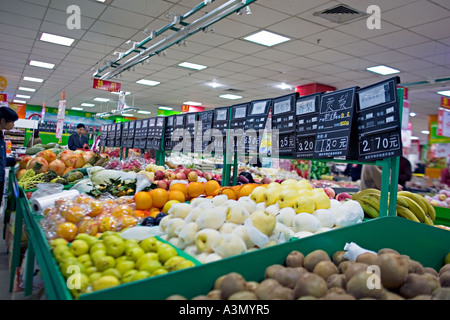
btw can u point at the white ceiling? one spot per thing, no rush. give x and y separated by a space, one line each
414 38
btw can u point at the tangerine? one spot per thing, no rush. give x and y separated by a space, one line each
141 213
107 223
67 231
74 214
229 192
88 226
195 189
121 210
177 195
143 200
127 221
180 187
96 208
212 187
159 197
246 190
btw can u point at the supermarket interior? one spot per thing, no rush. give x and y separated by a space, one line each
225 150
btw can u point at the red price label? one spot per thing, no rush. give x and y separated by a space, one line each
106 85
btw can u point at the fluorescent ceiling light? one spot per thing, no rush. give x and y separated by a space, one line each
27 89
266 38
47 37
192 103
144 112
90 105
126 93
230 96
41 64
412 114
22 96
214 84
33 79
445 93
127 114
148 82
192 66
101 99
165 108
76 108
414 138
383 70
100 0
425 132
284 86
19 101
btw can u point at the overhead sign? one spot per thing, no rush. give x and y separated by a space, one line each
445 102
443 123
106 85
283 124
60 118
3 83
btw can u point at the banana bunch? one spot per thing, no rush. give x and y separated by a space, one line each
409 205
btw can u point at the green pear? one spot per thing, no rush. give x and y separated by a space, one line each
287 198
264 222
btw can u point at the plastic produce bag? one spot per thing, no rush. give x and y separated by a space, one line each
259 238
353 251
353 214
83 186
44 189
142 182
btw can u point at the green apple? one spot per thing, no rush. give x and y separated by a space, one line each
94 276
257 194
115 246
304 204
105 282
184 264
139 275
99 245
62 254
112 272
86 260
130 243
128 276
125 266
86 237
159 271
121 258
134 253
97 255
109 233
264 222
165 252
91 270
172 262
287 198
149 244
146 256
105 262
271 195
57 242
150 266
79 247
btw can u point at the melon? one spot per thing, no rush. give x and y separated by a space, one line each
38 164
58 166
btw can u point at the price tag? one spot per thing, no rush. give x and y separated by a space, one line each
305 147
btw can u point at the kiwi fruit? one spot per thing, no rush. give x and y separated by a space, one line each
336 290
431 271
357 286
252 285
314 258
367 258
270 270
218 281
354 269
325 268
389 295
288 276
444 279
342 267
231 283
281 293
393 270
294 259
441 294
201 297
415 267
433 281
338 257
336 281
307 298
415 285
265 288
338 296
387 250
310 284
243 295
445 268
422 297
176 297
215 294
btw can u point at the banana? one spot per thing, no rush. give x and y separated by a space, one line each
430 210
417 198
414 207
371 201
401 201
406 213
368 209
428 220
362 192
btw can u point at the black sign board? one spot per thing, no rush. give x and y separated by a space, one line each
256 123
202 136
239 114
283 124
335 123
151 123
169 127
140 134
306 115
158 133
118 135
111 136
220 126
190 123
130 136
125 129
103 134
378 119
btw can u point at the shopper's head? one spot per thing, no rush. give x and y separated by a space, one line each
7 118
36 133
80 129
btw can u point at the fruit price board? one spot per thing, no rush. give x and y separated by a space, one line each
202 136
188 141
220 123
283 124
118 135
256 123
158 132
306 113
238 118
168 131
379 123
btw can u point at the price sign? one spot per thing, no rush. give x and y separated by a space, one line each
106 85
168 143
256 123
202 134
335 122
188 140
103 133
118 135
305 146
220 123
306 117
378 121
237 124
283 122
131 132
125 129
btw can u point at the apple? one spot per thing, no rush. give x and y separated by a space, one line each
264 222
105 262
115 246
124 266
204 239
304 204
134 253
109 233
442 197
79 247
257 194
94 276
139 275
105 282
159 175
163 184
146 256
187 171
149 244
192 176
61 255
180 176
304 184
170 175
165 252
330 192
287 198
150 265
208 176
343 196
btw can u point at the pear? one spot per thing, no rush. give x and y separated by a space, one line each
172 225
228 245
211 218
204 239
180 210
306 222
219 200
321 199
271 195
257 194
273 209
247 203
227 227
286 216
241 231
304 204
304 184
236 213
186 234
287 198
263 221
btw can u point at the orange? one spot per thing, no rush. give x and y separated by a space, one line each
107 223
96 208
246 190
67 231
141 213
126 221
74 214
211 187
177 195
195 189
88 225
121 210
154 212
180 187
229 192
159 197
143 200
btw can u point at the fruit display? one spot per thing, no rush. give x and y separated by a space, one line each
110 260
440 199
319 276
410 205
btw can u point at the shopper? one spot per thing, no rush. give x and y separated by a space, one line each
445 174
35 139
404 172
7 119
353 170
79 139
370 177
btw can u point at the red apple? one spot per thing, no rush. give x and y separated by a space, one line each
163 184
266 180
159 175
208 176
199 173
192 176
330 192
186 171
180 176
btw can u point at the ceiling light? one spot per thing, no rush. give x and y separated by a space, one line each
165 108
192 103
100 0
192 66
76 108
22 96
445 93
19 101
27 89
41 64
414 138
127 114
144 112
214 84
148 82
230 96
383 70
47 37
266 38
101 99
412 114
90 105
425 132
33 79
284 86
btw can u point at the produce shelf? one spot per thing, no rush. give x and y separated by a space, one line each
442 216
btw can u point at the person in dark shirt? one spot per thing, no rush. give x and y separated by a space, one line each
353 170
79 139
405 171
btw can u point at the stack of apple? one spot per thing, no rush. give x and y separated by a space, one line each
111 260
441 199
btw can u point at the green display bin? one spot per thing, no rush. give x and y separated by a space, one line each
442 216
426 244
